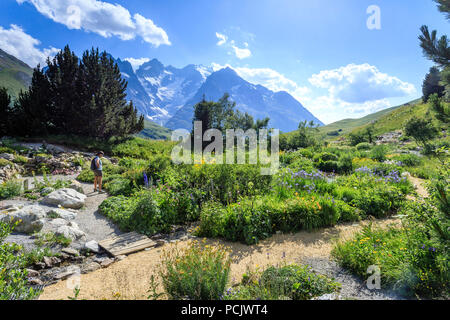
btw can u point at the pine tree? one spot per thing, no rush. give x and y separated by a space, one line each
5 111
63 73
431 84
31 114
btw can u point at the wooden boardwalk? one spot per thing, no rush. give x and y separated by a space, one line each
127 243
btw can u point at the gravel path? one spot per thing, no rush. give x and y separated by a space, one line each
352 287
96 226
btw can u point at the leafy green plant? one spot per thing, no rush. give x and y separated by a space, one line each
197 272
294 282
13 273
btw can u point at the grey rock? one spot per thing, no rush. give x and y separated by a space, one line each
56 223
92 246
51 261
329 296
47 191
35 282
107 262
70 251
7 156
90 267
67 198
67 272
71 231
75 185
32 273
121 257
30 218
63 214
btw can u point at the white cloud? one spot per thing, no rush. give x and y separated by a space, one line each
136 63
222 39
361 83
242 53
268 78
103 18
21 45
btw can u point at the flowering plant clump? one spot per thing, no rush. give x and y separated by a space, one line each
197 272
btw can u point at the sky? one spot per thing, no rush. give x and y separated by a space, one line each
339 58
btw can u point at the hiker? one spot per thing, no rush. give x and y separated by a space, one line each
96 166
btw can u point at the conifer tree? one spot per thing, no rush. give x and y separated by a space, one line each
5 102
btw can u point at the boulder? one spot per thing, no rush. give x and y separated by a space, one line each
107 262
92 246
30 218
47 191
90 267
63 214
7 156
67 198
75 185
71 231
56 223
70 251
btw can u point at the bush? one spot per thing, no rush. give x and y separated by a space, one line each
13 273
379 153
363 146
345 164
4 163
10 189
293 282
198 272
409 160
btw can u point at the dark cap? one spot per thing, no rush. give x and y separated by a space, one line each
100 153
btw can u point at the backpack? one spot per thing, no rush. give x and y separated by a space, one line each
93 164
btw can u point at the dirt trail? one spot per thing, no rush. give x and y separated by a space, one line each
130 278
419 184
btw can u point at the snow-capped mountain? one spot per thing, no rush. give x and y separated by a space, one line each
169 88
167 95
284 111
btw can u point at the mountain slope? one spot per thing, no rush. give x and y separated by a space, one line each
348 125
169 88
15 75
284 111
154 131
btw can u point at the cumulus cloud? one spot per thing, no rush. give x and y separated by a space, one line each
268 78
361 83
102 18
136 63
222 39
21 45
240 53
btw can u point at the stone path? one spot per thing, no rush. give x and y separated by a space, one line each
96 226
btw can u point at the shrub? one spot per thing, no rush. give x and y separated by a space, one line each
13 273
10 189
198 272
20 160
379 153
345 164
4 163
363 146
293 282
328 166
410 160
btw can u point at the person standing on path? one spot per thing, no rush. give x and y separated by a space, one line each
97 167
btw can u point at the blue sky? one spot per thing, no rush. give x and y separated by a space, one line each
321 51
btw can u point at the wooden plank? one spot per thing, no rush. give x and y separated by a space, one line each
127 243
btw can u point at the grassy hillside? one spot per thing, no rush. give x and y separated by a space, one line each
397 119
15 75
155 131
348 125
